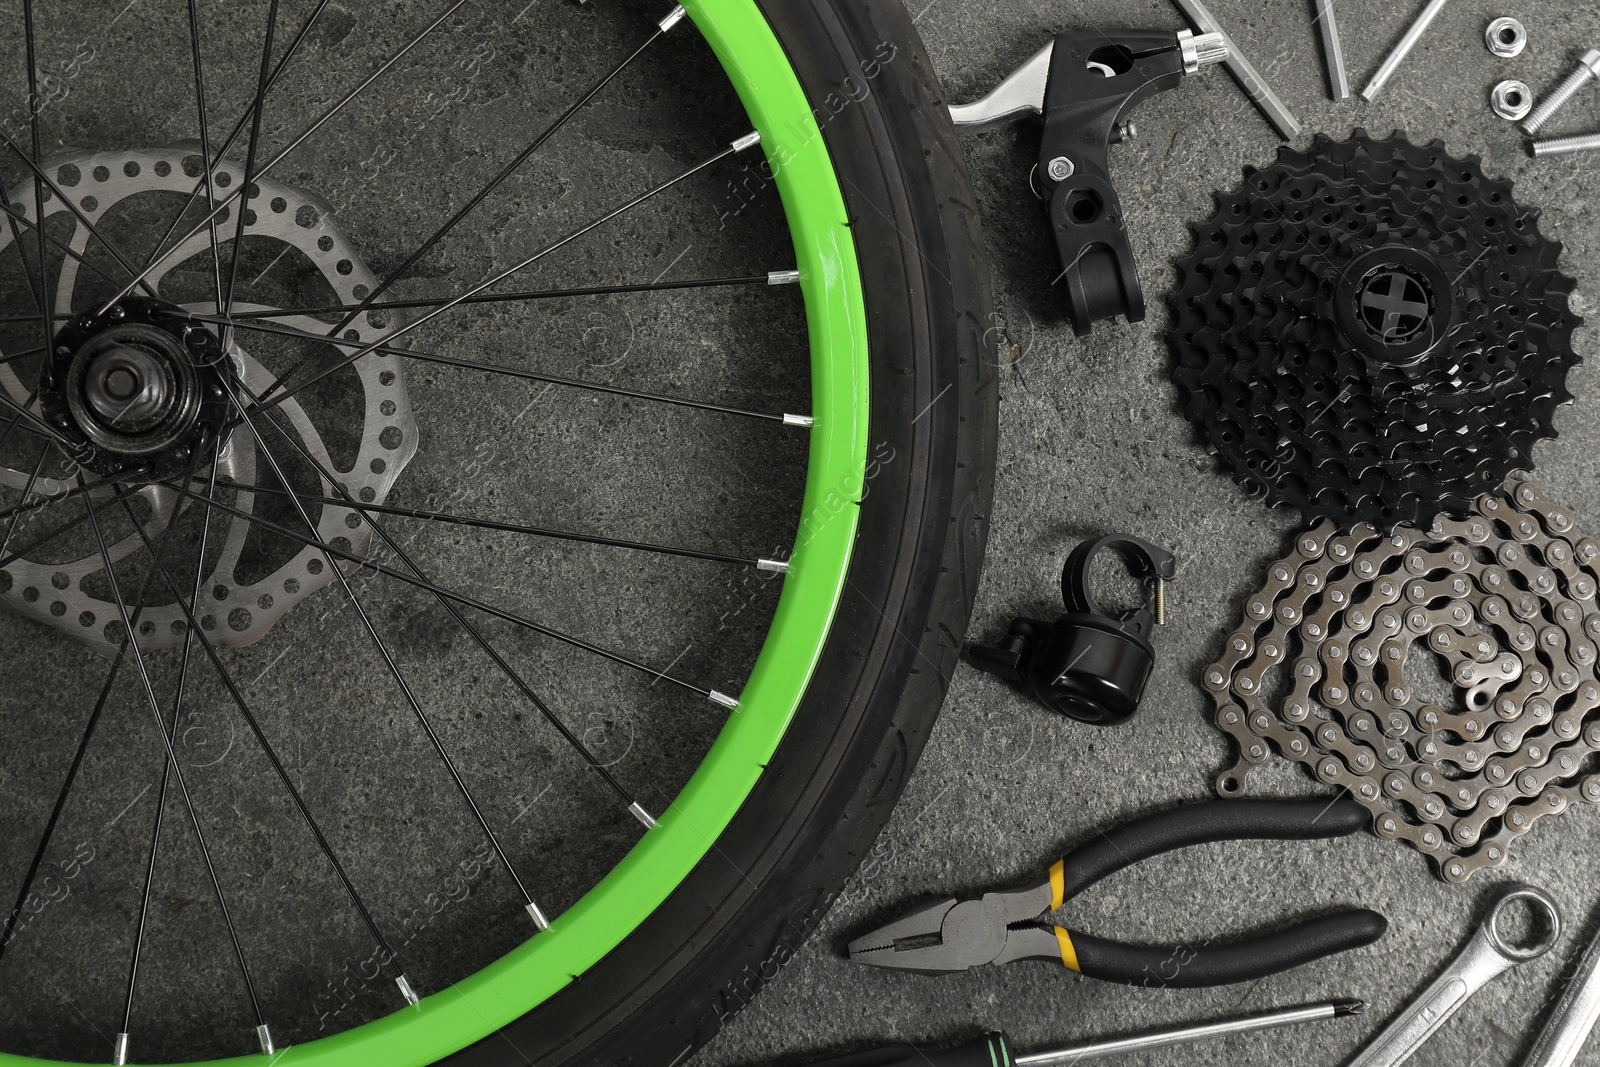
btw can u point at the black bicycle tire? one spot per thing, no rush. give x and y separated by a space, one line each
744 911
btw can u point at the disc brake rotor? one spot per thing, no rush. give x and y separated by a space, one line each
1373 330
236 605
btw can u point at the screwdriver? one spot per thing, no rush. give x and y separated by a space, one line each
994 1050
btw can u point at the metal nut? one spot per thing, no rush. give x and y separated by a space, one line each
1060 169
1506 37
1511 100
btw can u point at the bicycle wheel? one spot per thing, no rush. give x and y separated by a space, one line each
412 692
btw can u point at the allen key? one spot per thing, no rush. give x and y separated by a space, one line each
1333 51
1245 73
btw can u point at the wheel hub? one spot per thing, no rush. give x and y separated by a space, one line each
138 393
139 387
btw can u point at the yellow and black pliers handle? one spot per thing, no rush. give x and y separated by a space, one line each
1003 927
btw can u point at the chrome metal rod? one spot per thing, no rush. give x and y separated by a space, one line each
1246 1024
1403 49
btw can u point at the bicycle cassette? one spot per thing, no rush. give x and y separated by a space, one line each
1341 664
1372 331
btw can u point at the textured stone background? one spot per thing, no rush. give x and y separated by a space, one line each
1092 441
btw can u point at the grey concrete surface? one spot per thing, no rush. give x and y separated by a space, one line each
1093 441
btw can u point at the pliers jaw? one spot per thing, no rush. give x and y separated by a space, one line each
954 935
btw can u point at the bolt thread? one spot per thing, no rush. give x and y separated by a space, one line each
1563 146
1161 602
1558 99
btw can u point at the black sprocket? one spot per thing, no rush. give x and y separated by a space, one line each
1374 330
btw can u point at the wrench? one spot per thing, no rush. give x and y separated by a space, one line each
1484 957
1564 1034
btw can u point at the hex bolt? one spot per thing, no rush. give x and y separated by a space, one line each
1061 168
1588 70
1566 146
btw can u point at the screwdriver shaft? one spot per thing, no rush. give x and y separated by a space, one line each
1163 1038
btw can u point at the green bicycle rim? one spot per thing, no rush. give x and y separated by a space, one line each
798 160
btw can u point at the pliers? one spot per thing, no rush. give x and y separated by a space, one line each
1003 927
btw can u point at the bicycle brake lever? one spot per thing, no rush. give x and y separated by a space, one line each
1082 84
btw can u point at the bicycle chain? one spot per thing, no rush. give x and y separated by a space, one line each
1506 596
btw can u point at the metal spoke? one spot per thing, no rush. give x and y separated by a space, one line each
467 364
40 177
20 553
494 183
394 668
16 416
326 117
22 257
172 756
511 527
208 177
771 278
223 675
462 599
211 162
516 679
34 107
249 168
123 1037
27 491
8 931
749 140
16 217
33 424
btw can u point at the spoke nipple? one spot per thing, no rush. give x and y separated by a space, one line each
749 140
642 815
674 17
805 421
724 699
537 916
264 1035
406 991
780 277
775 566
119 1055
